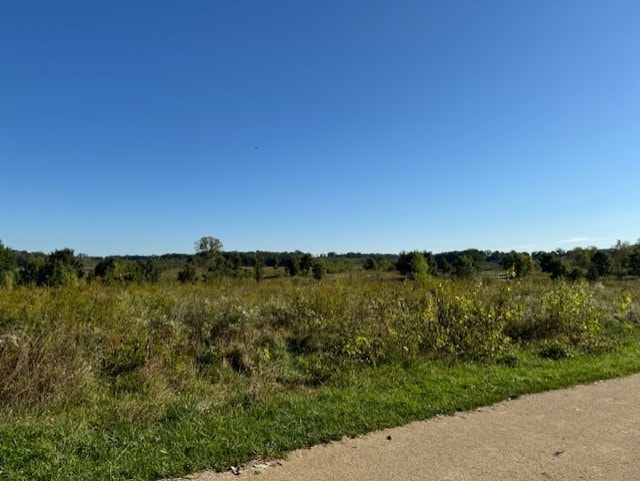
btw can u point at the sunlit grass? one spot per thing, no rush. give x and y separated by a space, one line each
143 382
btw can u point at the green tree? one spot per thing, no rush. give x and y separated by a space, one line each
601 263
620 258
592 273
30 272
318 269
306 263
258 264
150 270
465 267
552 263
106 268
519 264
208 245
444 266
8 266
208 250
412 264
370 264
235 262
189 272
581 258
634 261
60 268
209 256
293 266
576 273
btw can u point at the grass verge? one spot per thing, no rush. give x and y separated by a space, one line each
193 435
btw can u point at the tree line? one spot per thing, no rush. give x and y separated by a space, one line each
210 261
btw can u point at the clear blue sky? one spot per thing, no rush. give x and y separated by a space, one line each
373 126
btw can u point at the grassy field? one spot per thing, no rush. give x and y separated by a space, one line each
145 382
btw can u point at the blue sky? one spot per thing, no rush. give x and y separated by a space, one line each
374 126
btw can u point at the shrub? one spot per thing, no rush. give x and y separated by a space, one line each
466 326
318 269
465 267
189 272
7 266
519 264
412 264
370 264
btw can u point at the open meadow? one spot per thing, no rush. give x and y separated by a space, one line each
156 380
426 207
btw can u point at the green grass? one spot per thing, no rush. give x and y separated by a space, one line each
150 382
193 436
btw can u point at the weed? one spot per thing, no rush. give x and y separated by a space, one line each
96 377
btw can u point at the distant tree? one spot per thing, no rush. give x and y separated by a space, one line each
412 264
8 266
208 244
576 273
150 270
209 256
370 264
142 271
495 256
7 258
444 265
600 263
293 266
620 254
235 261
257 266
476 257
519 264
318 269
581 257
306 263
106 268
189 273
208 250
551 262
592 273
30 272
60 268
432 265
634 261
465 267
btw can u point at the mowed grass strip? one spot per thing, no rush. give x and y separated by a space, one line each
192 436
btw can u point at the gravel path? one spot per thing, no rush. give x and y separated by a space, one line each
589 432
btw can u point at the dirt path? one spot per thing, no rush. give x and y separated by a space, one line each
588 432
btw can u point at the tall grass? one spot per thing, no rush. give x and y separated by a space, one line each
133 350
142 382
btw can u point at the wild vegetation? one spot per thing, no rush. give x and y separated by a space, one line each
99 370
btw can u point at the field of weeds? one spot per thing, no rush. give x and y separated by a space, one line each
90 370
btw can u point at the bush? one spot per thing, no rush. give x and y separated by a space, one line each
293 266
412 264
189 272
7 266
60 268
519 265
466 267
467 326
318 269
106 268
67 346
370 264
552 263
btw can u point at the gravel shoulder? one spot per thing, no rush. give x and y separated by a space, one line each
589 432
